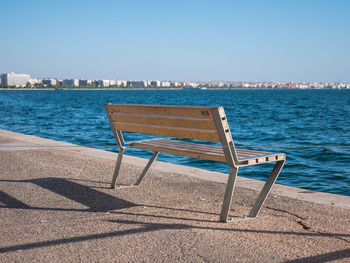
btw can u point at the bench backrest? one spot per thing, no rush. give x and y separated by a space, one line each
188 122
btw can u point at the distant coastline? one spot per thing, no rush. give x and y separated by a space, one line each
24 81
167 88
141 89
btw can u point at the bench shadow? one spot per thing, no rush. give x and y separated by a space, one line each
94 200
11 202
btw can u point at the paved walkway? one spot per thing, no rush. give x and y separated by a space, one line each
56 205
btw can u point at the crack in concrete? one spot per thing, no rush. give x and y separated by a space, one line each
287 212
307 227
304 225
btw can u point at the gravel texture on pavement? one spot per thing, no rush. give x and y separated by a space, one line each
57 206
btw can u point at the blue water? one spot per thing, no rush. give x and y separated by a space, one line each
276 118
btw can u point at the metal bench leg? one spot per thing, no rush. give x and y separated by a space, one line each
228 194
148 166
266 189
143 174
117 168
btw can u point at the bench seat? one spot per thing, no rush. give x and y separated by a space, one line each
206 152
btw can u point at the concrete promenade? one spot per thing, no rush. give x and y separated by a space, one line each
56 206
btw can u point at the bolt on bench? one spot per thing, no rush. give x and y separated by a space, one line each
189 122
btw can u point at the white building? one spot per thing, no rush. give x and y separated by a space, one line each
36 81
121 83
165 84
12 79
190 84
176 84
302 86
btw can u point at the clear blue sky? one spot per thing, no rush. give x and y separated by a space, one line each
306 40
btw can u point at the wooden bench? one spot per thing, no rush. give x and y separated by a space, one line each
195 123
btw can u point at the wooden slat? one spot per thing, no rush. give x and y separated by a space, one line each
203 148
263 159
172 121
255 157
252 152
186 145
190 111
193 148
180 151
207 152
178 132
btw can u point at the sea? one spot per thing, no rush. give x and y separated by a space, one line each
311 126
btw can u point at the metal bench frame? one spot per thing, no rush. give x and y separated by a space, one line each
164 120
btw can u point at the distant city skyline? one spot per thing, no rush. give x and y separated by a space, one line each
15 80
290 41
